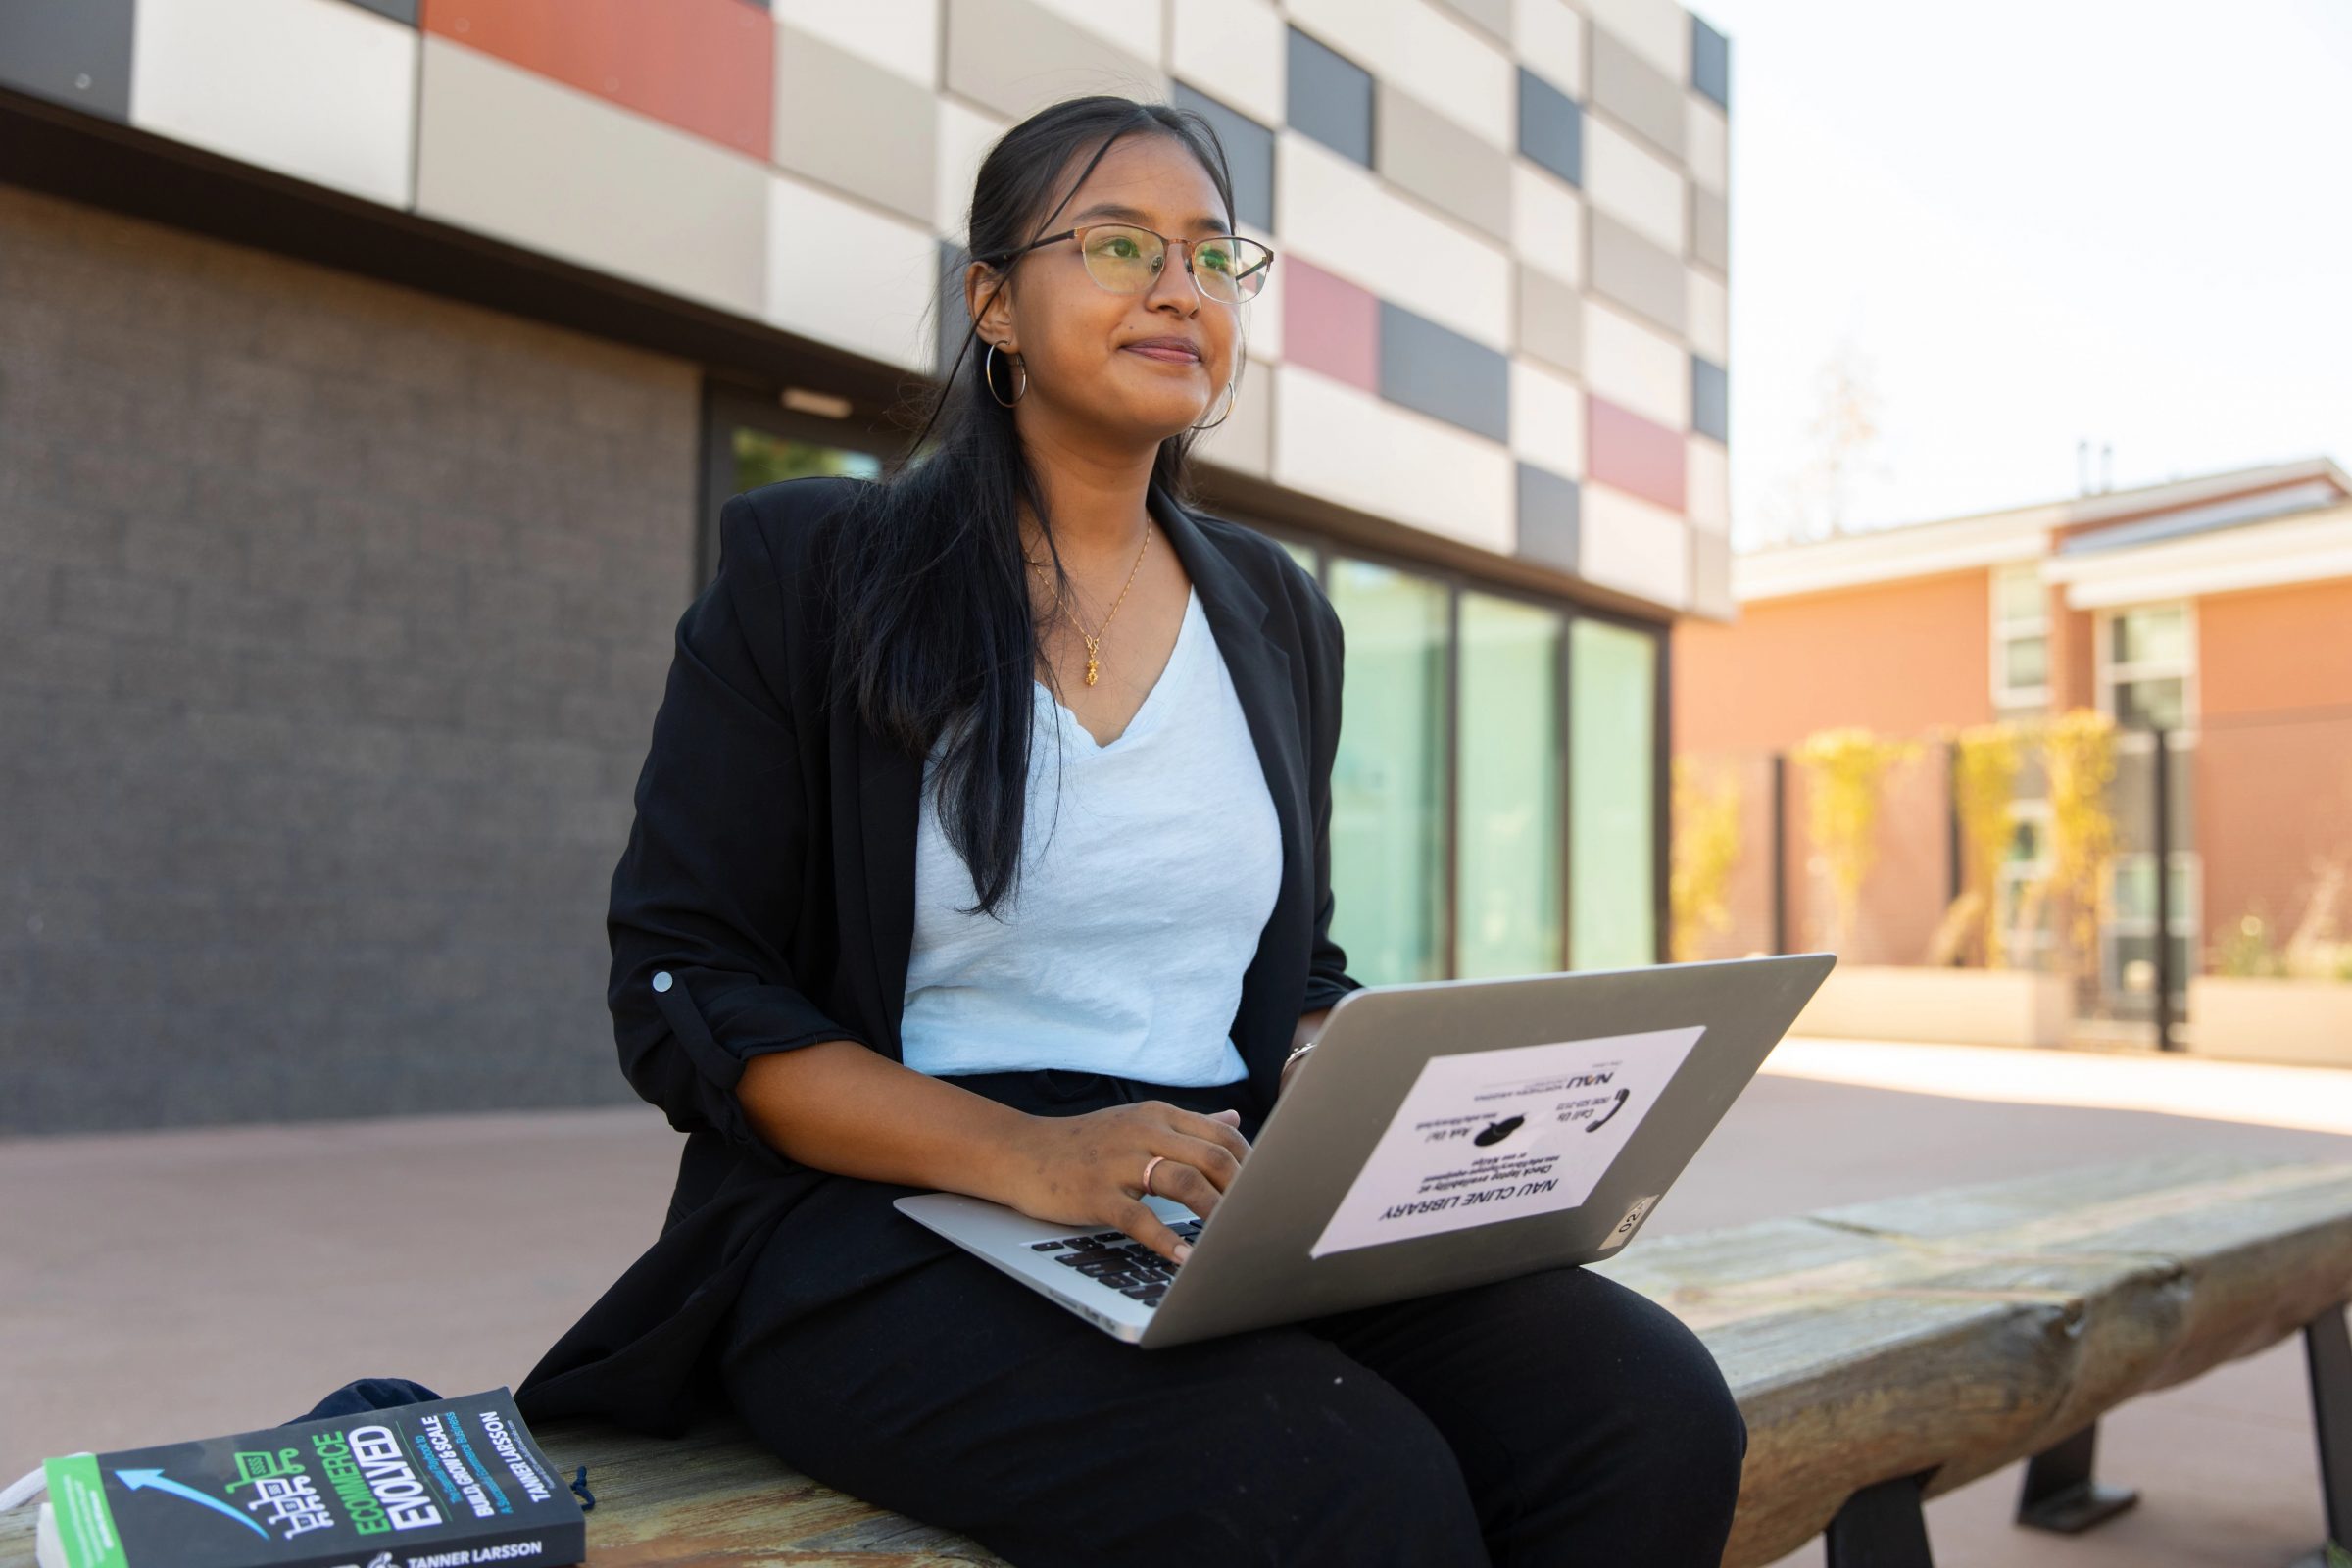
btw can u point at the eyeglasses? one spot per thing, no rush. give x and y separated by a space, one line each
1127 259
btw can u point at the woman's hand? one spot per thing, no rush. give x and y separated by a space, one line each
1088 1169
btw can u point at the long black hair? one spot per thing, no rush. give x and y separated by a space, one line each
934 628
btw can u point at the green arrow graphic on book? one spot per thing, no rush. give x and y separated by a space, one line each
136 1479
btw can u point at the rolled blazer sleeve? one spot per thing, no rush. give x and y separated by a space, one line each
1327 978
706 892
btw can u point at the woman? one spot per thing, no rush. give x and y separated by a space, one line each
983 845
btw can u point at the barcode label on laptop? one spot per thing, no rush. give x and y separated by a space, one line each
1633 1217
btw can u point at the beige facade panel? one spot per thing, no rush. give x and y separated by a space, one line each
841 273
1133 27
1708 304
1549 36
901 35
1438 57
965 135
859 128
1236 51
1706 143
1638 273
1711 228
1013 56
1493 17
1633 182
1711 575
1244 441
1707 483
316 90
507 153
1547 221
1659 31
1345 219
1347 445
1636 366
1548 419
1637 92
1551 319
1441 161
1629 544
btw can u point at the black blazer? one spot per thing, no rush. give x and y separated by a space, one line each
769 874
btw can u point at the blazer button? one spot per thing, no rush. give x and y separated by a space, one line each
662 981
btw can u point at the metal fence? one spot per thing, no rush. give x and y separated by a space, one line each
2033 845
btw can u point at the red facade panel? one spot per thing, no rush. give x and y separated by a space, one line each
1633 453
1329 325
704 66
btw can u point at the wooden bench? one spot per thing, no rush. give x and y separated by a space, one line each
1883 1353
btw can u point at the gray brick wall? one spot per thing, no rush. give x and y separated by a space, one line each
332 621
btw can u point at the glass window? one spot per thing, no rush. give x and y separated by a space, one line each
1508 907
761 458
1612 791
2151 704
2028 661
2021 595
2155 635
1387 802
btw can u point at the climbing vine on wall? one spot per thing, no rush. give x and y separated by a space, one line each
1706 850
1843 770
2079 751
1986 764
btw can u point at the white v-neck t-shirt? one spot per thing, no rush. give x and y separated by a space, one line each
1139 907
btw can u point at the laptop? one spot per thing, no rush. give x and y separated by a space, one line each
1441 1134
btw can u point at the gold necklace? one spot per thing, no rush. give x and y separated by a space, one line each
1094 643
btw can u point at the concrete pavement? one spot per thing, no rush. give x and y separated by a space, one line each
161 1286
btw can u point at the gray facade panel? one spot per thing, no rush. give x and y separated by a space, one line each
1551 127
1711 62
1443 375
846 121
1249 154
76 54
341 614
1330 98
1710 399
1549 518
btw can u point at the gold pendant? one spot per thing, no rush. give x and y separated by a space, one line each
1089 670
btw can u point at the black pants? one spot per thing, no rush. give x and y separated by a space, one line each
1555 1420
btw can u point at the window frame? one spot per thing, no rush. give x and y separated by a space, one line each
1458 580
2007 629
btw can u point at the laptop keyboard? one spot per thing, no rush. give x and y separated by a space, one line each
1118 1260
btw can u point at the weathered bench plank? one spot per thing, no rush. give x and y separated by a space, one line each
1941 1336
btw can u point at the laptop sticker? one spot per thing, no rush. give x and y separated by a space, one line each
1493 1135
1625 1226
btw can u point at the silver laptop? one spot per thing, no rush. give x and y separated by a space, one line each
1441 1134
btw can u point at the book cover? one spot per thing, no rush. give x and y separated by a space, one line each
444 1484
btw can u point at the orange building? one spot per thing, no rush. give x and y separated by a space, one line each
2217 609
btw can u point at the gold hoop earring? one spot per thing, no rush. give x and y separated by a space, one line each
1233 395
988 374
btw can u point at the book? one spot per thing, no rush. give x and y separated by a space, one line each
443 1484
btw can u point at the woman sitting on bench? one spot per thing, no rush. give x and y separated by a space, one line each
982 845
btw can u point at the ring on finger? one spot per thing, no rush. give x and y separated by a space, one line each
1147 1164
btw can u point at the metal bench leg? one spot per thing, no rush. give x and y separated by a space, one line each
2327 1349
2060 1492
1882 1526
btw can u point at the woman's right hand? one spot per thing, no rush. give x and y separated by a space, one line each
1088 1169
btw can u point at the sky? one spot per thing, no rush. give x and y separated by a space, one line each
2025 223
